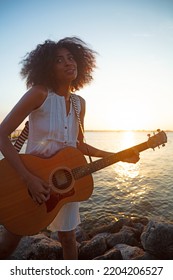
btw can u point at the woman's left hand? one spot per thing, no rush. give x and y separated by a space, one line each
134 158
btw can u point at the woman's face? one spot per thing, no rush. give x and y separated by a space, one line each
65 69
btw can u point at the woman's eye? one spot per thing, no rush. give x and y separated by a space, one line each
59 60
71 58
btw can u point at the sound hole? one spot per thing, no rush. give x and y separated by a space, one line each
62 179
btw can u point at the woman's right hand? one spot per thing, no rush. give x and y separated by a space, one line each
38 188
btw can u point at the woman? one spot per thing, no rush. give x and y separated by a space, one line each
53 71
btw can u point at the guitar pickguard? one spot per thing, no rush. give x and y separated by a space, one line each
55 199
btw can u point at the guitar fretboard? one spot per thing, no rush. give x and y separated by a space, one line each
99 164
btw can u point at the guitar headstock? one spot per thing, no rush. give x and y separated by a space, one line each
157 139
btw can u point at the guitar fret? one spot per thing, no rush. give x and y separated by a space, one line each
89 168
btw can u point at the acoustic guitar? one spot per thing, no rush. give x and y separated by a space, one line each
69 176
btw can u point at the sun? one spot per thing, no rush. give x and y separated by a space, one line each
128 117
119 114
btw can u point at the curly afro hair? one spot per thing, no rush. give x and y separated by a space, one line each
38 64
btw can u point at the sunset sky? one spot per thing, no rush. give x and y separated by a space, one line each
133 84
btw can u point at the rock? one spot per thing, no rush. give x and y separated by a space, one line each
141 220
113 227
92 248
81 235
157 239
113 254
44 249
38 247
131 230
126 237
145 256
1 229
140 227
22 250
129 252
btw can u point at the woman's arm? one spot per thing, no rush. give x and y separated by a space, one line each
29 102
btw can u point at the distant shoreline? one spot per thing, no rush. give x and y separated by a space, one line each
116 130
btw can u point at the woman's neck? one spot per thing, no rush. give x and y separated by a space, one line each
63 91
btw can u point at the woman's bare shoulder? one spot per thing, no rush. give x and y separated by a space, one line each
38 91
36 95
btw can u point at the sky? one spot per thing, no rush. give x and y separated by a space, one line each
133 82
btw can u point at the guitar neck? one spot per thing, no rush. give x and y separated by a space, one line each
99 164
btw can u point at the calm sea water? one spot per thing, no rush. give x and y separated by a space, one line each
130 190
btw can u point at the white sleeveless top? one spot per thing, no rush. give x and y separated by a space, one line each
51 129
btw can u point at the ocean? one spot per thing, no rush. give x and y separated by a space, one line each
144 189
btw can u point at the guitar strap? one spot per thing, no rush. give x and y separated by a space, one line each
24 134
73 99
22 137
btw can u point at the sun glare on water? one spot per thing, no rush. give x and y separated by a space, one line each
124 169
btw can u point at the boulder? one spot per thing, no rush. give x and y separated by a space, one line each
157 239
129 252
37 247
126 237
93 248
112 254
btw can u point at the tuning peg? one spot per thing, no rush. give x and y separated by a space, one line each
163 145
149 135
158 130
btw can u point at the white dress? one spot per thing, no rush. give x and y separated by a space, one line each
51 129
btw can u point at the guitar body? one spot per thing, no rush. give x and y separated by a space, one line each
19 213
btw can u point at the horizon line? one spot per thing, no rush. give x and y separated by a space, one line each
125 130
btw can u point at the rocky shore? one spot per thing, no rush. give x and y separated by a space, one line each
125 239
